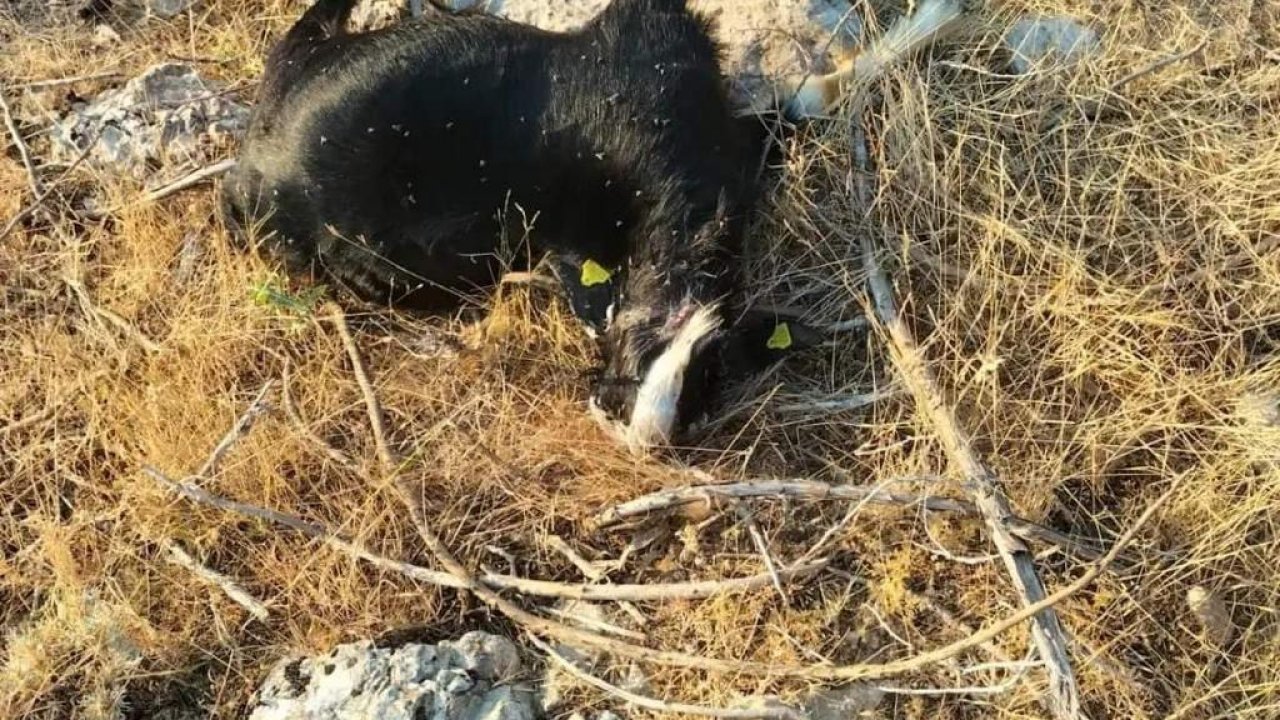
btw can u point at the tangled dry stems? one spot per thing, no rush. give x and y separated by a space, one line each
1097 297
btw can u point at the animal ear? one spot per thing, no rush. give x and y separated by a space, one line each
590 287
760 338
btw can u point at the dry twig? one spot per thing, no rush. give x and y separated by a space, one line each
295 417
311 530
980 482
43 195
693 590
23 152
195 177
228 586
458 577
180 557
590 570
377 420
665 500
807 489
190 180
762 547
241 427
777 711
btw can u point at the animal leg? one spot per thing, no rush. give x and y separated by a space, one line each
817 95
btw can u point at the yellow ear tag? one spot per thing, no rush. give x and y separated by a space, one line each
781 337
593 273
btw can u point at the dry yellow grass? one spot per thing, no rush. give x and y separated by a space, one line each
1099 294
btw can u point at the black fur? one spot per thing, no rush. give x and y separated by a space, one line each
405 163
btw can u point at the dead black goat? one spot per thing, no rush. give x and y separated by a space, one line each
393 162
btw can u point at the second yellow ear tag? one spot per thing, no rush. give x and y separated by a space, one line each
781 337
593 273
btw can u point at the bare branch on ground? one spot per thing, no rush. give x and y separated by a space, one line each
228 586
980 482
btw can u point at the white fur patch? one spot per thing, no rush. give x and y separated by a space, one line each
653 416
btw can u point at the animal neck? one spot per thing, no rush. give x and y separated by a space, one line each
683 255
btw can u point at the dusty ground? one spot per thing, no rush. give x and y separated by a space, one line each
1092 264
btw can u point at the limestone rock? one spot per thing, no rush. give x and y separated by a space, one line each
1036 39
167 115
469 679
168 8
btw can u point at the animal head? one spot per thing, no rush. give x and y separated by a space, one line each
672 334
665 368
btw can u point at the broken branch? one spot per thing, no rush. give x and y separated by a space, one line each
666 500
21 144
377 420
311 530
228 586
807 489
574 636
778 711
241 427
980 483
695 590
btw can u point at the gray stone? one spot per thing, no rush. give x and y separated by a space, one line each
168 8
849 701
468 679
501 703
1057 40
167 115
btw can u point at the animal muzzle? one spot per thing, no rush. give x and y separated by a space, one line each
655 411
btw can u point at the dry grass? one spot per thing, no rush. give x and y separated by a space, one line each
1099 296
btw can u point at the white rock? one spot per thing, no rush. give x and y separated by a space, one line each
105 36
169 114
1059 39
463 680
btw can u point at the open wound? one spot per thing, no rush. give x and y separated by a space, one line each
593 273
781 337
